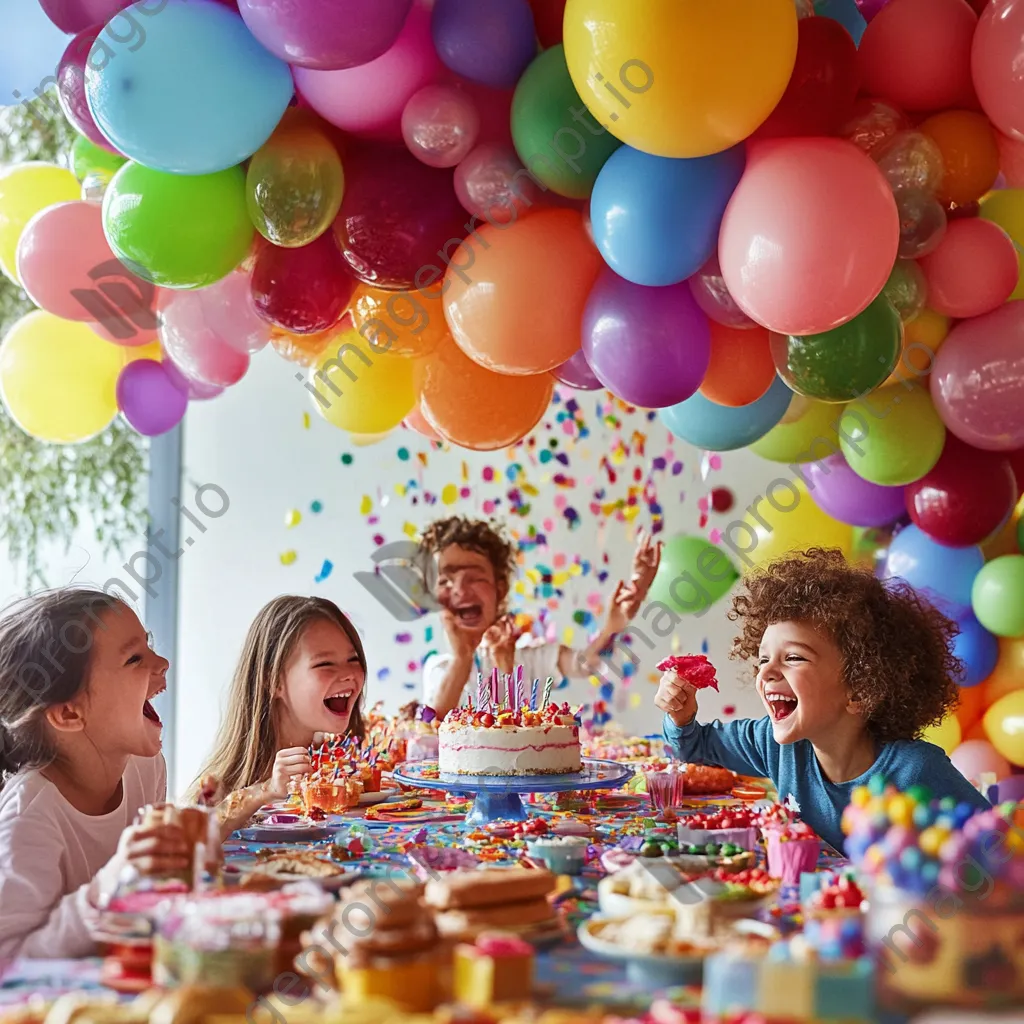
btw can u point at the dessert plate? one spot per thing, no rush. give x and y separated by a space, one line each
302 830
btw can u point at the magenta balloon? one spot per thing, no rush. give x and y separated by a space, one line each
71 87
712 295
977 380
325 34
196 390
73 16
840 493
649 346
398 217
304 290
576 373
149 399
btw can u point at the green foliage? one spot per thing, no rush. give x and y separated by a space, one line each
47 490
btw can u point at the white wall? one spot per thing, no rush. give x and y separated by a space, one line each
253 442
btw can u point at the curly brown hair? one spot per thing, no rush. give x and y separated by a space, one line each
485 537
895 647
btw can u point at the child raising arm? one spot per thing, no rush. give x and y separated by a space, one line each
850 670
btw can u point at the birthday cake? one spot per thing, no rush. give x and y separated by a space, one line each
507 742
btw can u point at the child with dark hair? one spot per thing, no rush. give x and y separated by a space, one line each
80 756
850 669
475 566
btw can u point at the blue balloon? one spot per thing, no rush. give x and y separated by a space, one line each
656 219
722 428
977 648
943 575
30 51
189 92
846 12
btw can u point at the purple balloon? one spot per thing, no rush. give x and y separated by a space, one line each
196 390
649 346
73 16
1011 788
327 35
71 87
149 399
576 373
488 42
840 493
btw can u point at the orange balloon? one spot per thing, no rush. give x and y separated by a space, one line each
418 422
1008 675
922 338
970 709
476 408
969 151
514 294
1004 540
976 732
741 368
301 348
405 323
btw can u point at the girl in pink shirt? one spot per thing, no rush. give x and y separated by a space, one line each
79 756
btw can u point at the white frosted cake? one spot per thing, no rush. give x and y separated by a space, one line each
473 742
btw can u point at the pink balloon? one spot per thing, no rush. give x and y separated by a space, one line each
492 183
73 16
369 100
972 271
779 246
189 332
997 55
196 390
418 422
440 125
71 87
1011 160
977 379
975 758
67 268
709 290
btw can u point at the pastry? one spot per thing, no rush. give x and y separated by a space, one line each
462 889
305 863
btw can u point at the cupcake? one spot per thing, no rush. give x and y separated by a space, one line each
792 850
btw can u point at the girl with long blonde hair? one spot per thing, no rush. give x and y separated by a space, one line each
301 672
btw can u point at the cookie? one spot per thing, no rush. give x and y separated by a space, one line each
491 887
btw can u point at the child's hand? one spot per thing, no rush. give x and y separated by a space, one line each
678 700
463 641
155 849
500 640
622 608
646 559
290 763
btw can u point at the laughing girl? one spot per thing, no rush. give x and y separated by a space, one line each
850 670
301 672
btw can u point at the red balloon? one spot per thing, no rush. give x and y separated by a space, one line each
823 87
548 16
304 290
966 497
400 219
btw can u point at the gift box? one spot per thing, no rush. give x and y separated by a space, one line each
496 969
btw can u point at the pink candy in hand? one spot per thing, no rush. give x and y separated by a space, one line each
692 669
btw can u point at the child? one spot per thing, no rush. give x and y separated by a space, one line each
302 672
80 751
475 566
850 670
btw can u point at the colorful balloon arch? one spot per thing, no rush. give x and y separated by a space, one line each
787 225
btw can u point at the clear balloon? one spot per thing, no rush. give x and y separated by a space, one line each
190 334
911 160
873 125
906 290
303 349
492 183
149 399
922 223
402 323
844 495
708 288
303 290
325 34
196 390
489 43
294 183
440 125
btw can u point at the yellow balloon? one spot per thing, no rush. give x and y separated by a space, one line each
366 440
1004 540
58 378
1004 724
1008 675
947 734
783 520
1006 208
811 437
922 338
26 189
362 391
152 351
680 78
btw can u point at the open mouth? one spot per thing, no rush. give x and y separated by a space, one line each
780 705
339 703
469 614
148 711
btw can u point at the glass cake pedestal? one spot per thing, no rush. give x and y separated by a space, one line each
500 797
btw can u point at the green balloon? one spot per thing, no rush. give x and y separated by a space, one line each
177 230
561 151
693 575
997 596
88 158
846 362
810 438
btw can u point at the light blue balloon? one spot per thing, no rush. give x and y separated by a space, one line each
31 47
942 575
656 219
846 12
722 428
977 648
189 92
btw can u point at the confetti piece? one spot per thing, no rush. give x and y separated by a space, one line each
428 634
288 557
403 454
305 421
715 535
346 459
325 571
449 494
383 673
410 530
487 473
465 471
316 507
412 666
365 505
403 638
635 700
729 709
292 518
567 635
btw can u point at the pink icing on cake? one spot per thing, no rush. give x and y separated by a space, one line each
693 669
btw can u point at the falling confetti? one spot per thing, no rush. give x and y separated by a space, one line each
450 494
325 571
305 421
403 454
346 459
366 505
288 557
316 507
292 518
403 638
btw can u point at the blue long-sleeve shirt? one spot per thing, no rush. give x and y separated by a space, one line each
748 747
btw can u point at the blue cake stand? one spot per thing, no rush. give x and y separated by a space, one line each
500 797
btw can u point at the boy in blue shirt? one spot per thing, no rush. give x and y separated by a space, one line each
850 670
